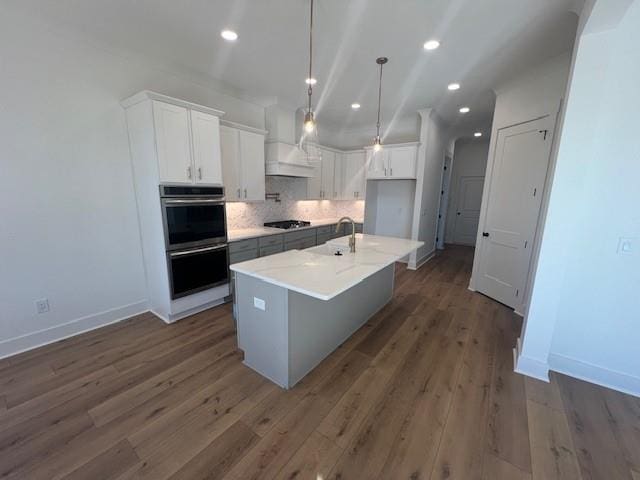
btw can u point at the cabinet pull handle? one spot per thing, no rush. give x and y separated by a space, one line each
245 193
200 173
385 171
189 172
391 172
239 196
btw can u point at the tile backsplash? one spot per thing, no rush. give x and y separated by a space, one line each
291 190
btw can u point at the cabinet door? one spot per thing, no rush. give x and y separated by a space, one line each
402 162
354 176
173 142
339 178
328 175
229 145
377 163
314 184
252 166
205 129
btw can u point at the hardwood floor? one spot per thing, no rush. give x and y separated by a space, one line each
425 390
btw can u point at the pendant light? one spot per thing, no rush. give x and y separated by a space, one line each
377 143
309 120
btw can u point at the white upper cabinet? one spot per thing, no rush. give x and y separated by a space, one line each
328 190
353 178
187 143
206 148
322 185
242 164
392 162
402 161
252 165
173 143
229 150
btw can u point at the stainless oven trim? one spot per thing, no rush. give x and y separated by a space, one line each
195 251
164 204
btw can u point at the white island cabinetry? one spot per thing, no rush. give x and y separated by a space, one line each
294 308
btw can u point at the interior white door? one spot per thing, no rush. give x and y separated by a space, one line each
205 129
465 229
229 152
515 193
173 143
252 166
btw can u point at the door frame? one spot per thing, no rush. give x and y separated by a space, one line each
445 188
535 241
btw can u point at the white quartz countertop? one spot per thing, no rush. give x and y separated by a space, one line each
244 233
319 273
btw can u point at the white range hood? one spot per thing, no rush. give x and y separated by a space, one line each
285 159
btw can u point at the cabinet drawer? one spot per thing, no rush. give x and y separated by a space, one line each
300 234
270 240
271 249
243 245
300 244
242 256
325 229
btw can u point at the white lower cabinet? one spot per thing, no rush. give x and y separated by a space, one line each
242 164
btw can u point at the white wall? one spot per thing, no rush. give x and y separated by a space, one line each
433 145
583 317
69 228
389 207
469 160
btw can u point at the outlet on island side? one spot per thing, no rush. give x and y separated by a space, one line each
259 303
42 305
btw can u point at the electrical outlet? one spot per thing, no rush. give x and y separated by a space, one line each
42 305
259 303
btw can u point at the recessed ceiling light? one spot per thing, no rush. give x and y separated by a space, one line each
477 134
311 81
465 110
431 45
229 35
355 106
453 86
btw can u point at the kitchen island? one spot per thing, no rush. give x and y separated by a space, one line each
296 307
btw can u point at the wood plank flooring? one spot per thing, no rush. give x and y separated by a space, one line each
425 390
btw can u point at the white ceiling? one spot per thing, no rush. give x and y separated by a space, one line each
484 42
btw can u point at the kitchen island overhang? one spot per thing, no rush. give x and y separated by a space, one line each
296 307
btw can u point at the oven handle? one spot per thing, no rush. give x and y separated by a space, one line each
194 201
198 250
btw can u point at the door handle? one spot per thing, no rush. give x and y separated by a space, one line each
485 234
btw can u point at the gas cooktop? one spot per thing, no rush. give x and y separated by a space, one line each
288 224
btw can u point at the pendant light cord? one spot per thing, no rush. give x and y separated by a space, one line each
379 100
310 89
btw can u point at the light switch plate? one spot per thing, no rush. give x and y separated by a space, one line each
259 303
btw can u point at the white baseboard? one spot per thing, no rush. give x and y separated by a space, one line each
588 372
29 341
531 367
422 261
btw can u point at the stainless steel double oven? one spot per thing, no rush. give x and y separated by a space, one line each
195 235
